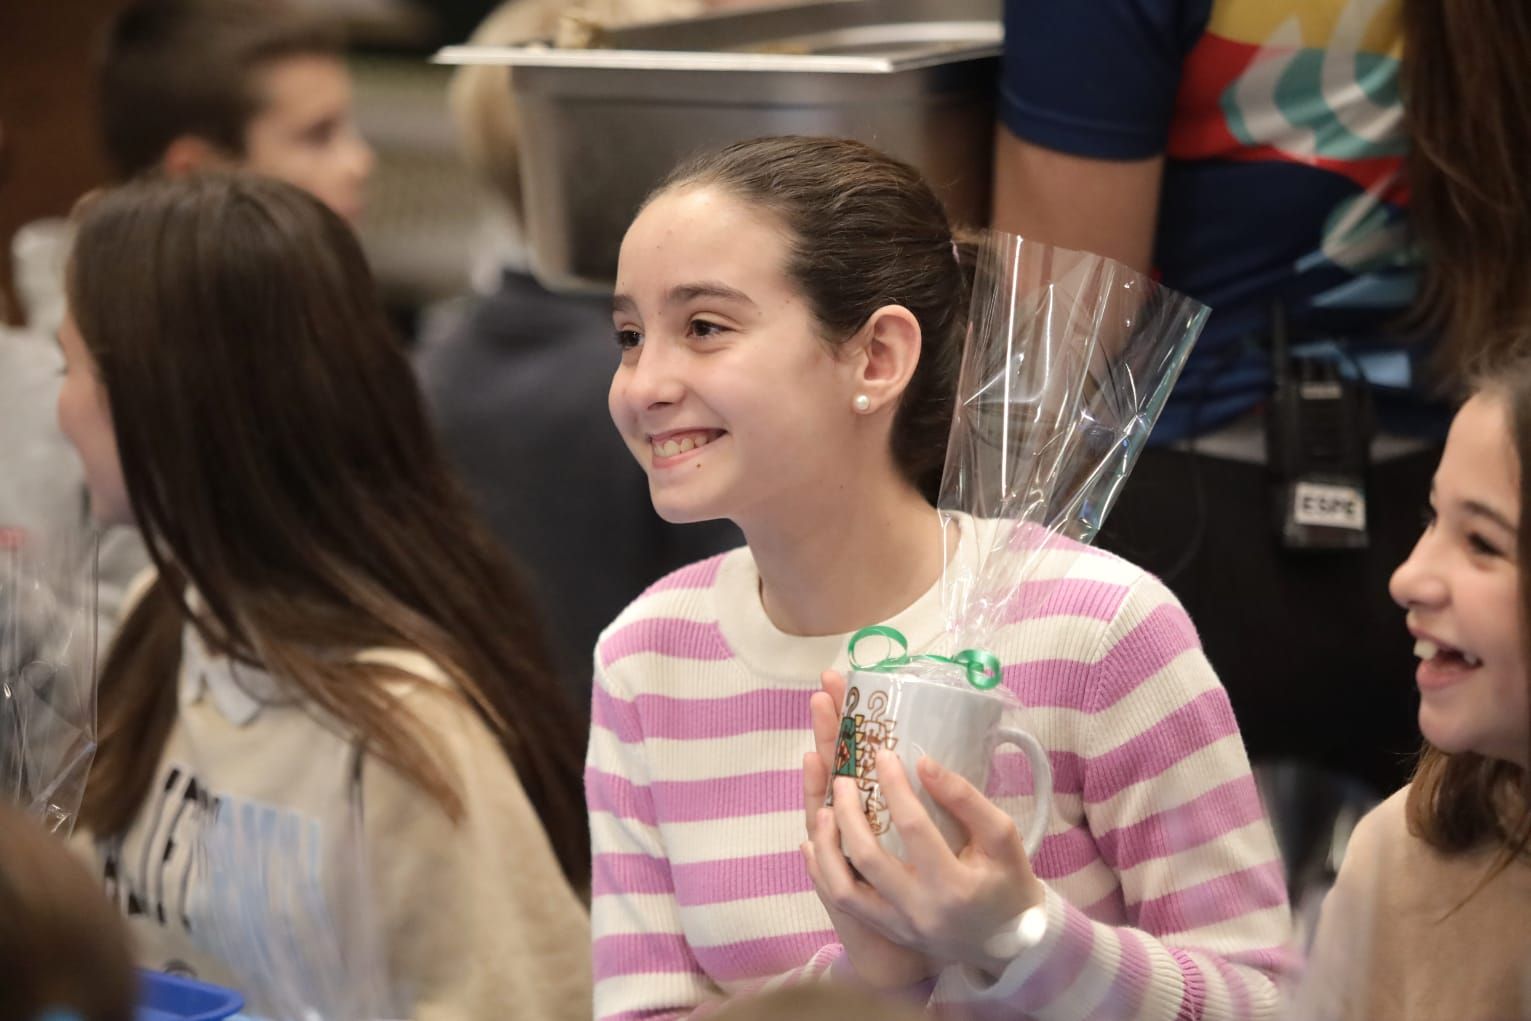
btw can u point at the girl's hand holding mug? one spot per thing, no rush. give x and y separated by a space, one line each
943 904
875 958
947 905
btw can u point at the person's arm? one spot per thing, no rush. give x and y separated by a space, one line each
1172 808
475 918
1087 93
1108 207
644 968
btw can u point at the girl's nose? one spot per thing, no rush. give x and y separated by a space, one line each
1417 582
655 380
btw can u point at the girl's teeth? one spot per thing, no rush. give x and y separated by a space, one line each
669 448
1426 649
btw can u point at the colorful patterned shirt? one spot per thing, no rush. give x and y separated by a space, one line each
1283 137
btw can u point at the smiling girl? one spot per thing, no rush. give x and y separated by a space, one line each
791 313
1428 916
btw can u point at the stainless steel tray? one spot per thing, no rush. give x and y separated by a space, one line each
600 127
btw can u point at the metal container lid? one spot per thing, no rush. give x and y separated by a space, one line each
602 126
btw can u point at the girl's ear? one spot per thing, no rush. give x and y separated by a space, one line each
887 350
189 154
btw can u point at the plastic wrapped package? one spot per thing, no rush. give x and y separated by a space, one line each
1068 362
48 625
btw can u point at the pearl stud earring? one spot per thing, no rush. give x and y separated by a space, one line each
862 403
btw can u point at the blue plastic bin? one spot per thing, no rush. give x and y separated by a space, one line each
169 998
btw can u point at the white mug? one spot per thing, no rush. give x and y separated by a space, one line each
957 725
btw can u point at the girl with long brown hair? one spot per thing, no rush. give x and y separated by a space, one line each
1428 916
328 629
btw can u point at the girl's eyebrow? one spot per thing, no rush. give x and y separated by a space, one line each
682 293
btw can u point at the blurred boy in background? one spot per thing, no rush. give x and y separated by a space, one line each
183 85
258 84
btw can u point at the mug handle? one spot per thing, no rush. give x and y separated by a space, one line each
1041 782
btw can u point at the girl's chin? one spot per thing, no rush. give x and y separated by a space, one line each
1444 733
678 513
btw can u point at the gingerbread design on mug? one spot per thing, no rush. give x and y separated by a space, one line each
861 735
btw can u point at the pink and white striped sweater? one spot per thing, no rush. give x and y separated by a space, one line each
1165 890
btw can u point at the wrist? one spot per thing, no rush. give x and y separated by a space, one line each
911 982
1024 932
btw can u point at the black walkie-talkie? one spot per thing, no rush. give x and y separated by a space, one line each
1317 435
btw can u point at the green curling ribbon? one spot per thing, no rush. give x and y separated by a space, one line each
982 667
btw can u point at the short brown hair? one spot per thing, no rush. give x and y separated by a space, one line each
187 67
866 231
63 946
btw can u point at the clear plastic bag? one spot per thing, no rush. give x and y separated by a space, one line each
286 907
1069 360
48 624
